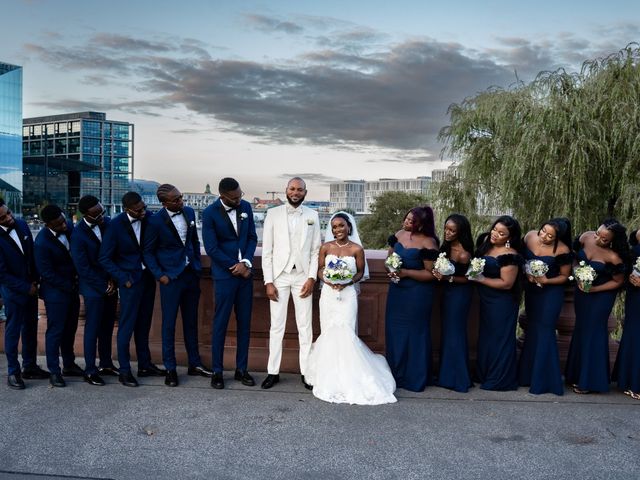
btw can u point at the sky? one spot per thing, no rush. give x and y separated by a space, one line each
265 90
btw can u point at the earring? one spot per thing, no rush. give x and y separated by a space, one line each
508 244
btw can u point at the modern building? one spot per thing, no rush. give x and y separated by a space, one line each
199 201
10 127
347 195
359 195
71 155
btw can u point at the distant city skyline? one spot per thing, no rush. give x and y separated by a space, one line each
263 91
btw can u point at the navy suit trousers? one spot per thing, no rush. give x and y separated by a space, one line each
62 323
21 318
100 315
234 293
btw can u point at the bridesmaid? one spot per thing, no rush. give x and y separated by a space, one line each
409 301
627 368
499 300
588 360
540 361
456 301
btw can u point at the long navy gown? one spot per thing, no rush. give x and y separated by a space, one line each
627 367
539 366
408 322
454 351
496 363
588 358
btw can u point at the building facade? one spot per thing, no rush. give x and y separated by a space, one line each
72 155
359 195
11 185
347 195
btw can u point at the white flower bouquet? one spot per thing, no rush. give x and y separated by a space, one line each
586 274
337 272
393 262
476 267
636 268
443 265
536 268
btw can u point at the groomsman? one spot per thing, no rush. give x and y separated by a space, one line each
229 236
121 256
290 246
19 290
96 287
171 250
59 290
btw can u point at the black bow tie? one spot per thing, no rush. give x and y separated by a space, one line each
59 234
230 209
95 225
9 229
176 214
135 220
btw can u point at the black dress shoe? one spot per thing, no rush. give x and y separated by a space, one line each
270 381
110 371
217 381
73 371
151 371
34 372
127 379
245 378
200 370
306 385
56 380
94 379
171 378
15 382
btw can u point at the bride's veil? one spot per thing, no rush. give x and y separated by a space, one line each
354 237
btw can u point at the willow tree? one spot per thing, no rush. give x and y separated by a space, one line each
565 144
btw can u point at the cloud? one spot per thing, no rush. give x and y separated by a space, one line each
268 24
127 43
316 178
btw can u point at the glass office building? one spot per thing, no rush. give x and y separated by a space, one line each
10 125
68 156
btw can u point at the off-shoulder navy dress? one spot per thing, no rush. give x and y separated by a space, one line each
588 359
408 322
627 367
454 351
496 363
539 366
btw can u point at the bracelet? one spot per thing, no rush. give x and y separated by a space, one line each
451 279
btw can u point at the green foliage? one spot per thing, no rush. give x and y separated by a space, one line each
566 144
387 213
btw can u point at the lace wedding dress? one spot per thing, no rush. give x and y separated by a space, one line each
342 369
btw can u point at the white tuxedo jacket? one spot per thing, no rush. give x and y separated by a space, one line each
275 242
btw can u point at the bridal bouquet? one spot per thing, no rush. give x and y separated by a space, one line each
443 265
476 267
636 268
337 272
586 274
393 262
536 268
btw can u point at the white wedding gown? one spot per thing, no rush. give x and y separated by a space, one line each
341 368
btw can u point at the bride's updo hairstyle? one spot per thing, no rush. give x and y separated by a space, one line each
345 217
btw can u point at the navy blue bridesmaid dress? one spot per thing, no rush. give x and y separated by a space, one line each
454 351
408 322
588 359
627 367
539 366
496 363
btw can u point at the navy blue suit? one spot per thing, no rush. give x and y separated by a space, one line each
100 308
165 254
59 290
17 274
226 248
121 256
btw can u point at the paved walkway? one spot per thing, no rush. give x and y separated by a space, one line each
155 432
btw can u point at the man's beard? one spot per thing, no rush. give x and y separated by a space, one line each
295 204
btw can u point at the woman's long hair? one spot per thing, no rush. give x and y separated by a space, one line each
562 226
464 234
619 243
423 222
515 235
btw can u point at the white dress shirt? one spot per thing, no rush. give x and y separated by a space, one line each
94 228
14 236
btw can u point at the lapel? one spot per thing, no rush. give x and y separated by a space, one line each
12 243
57 243
304 226
171 226
227 220
90 232
129 229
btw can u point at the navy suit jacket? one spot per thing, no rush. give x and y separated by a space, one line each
58 276
120 253
163 251
222 243
17 269
85 248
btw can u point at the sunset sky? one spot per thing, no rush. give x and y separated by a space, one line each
263 91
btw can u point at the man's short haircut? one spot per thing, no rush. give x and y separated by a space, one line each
164 190
228 184
50 213
130 199
304 184
87 202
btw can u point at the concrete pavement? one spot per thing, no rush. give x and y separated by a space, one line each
156 432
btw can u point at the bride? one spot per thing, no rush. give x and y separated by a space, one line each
341 367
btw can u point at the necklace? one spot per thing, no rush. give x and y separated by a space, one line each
345 245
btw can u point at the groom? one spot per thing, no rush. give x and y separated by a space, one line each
290 246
